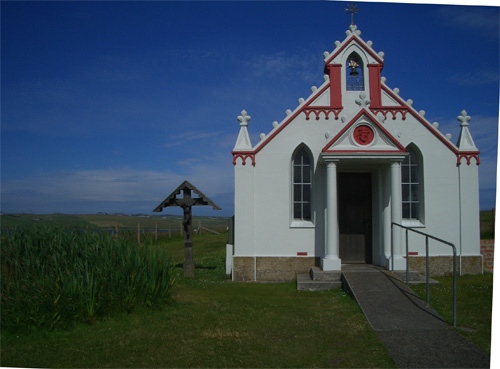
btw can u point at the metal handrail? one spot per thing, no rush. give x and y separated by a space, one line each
427 236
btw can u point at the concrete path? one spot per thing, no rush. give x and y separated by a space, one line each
413 333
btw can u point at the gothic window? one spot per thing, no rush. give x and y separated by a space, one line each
411 185
354 73
301 184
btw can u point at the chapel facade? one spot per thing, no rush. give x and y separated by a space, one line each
325 185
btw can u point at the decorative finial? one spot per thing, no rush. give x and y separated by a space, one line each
353 9
465 141
243 142
464 118
244 118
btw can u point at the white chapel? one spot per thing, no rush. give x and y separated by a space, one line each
325 185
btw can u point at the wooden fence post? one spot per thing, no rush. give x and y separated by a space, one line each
138 233
156 231
169 229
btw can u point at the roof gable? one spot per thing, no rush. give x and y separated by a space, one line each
353 36
331 100
309 107
364 134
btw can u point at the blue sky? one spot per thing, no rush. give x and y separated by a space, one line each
109 106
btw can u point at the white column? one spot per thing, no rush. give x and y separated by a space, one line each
331 261
399 262
387 215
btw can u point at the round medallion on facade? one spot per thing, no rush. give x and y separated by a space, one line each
363 135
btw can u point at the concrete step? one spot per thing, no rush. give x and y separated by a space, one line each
318 275
305 283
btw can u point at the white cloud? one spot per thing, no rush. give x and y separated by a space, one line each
484 131
189 137
475 78
120 189
480 18
285 65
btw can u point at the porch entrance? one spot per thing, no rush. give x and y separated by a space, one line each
355 217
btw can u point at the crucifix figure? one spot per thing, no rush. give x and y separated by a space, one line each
353 9
186 203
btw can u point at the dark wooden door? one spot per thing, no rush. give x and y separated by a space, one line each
355 217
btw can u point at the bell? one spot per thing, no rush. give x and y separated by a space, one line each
353 65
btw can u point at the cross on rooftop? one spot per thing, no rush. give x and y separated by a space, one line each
353 9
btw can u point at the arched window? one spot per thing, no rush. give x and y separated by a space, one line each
354 73
301 184
412 185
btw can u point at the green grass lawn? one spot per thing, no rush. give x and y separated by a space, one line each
213 322
474 305
487 221
110 221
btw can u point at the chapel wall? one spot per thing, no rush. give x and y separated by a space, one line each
440 181
244 209
275 235
488 252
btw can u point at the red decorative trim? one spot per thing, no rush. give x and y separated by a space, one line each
301 253
376 96
244 156
335 97
322 109
375 90
420 119
293 116
361 44
364 152
393 110
374 121
468 156
281 127
334 71
412 253
363 134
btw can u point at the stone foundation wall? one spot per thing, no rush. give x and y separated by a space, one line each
443 265
243 269
282 269
488 250
271 269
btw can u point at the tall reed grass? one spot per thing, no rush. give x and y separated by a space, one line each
52 276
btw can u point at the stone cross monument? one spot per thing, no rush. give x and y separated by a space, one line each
186 202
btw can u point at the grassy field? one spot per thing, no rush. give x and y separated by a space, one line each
474 305
213 322
110 221
487 220
163 222
53 276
